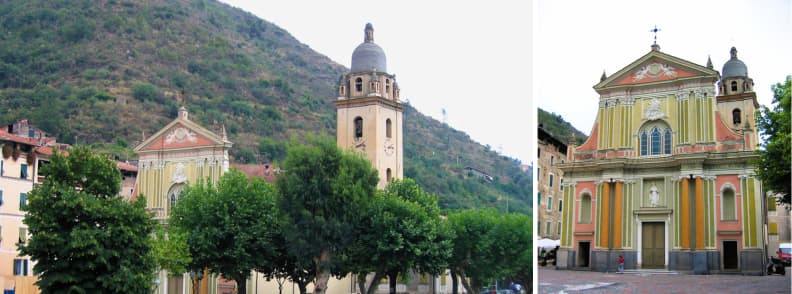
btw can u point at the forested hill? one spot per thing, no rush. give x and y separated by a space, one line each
561 129
106 72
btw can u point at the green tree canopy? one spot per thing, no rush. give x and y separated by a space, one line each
228 225
323 192
488 245
85 239
403 233
773 164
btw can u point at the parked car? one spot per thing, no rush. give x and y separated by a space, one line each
785 253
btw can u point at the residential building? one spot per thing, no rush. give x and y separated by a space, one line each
666 178
551 152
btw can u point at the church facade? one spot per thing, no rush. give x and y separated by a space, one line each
665 179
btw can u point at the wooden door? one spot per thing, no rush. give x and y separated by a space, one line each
653 245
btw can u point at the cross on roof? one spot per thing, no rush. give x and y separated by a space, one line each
655 30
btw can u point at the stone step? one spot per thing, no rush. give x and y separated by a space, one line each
650 272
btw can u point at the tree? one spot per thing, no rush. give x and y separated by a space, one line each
84 238
773 163
403 233
170 250
323 192
488 246
228 225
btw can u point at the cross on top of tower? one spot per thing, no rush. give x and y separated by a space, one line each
654 45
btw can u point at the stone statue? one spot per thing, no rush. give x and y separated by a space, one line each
654 196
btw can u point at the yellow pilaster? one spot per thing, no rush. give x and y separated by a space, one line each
699 213
617 216
685 213
605 215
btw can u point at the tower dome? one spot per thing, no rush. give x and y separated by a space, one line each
368 56
734 67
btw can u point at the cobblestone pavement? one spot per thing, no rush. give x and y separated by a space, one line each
563 281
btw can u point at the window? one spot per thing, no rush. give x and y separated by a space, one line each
1 197
358 127
539 198
23 173
551 180
2 167
551 159
172 200
655 149
388 175
728 205
736 116
643 144
31 133
387 86
549 203
20 267
22 235
561 185
22 200
359 84
734 86
538 152
667 142
547 229
585 209
388 128
558 229
560 205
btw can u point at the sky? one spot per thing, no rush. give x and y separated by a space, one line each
471 58
576 40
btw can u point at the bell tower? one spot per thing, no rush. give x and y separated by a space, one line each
370 111
736 100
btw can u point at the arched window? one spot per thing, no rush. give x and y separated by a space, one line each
667 142
387 87
388 175
388 128
585 209
359 84
655 149
734 85
358 127
728 205
644 144
343 90
736 116
655 138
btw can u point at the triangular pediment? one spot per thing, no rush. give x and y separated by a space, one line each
656 67
180 134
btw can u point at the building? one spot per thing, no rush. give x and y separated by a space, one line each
369 110
182 152
550 153
778 224
665 178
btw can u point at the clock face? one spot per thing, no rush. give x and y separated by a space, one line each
389 149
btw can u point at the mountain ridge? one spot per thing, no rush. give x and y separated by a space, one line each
108 72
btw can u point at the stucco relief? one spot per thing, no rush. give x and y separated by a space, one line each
180 135
654 111
178 174
654 70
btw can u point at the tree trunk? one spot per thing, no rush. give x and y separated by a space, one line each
454 283
392 275
303 287
374 283
242 286
322 274
465 284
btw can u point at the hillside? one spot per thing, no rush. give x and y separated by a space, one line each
107 73
561 129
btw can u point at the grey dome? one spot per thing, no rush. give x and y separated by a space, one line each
734 67
368 56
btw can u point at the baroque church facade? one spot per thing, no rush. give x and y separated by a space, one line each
665 179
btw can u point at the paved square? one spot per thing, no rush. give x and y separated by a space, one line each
563 281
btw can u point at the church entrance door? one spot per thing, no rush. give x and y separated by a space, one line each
653 245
